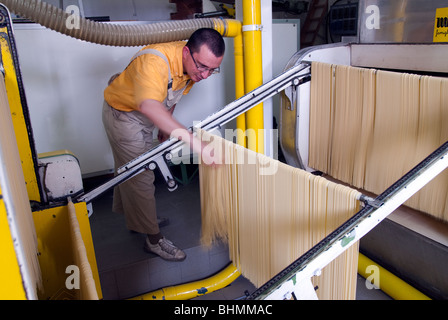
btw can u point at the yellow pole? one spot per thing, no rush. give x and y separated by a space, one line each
388 282
239 85
232 28
253 71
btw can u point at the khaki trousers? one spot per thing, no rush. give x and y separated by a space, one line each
130 135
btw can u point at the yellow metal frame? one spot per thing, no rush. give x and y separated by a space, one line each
11 287
18 117
248 70
55 249
51 224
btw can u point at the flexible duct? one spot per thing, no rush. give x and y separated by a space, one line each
110 34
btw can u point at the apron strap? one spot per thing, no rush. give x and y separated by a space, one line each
172 97
161 55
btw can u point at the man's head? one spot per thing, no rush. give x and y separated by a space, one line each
203 54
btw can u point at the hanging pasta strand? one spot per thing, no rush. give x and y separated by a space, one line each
274 213
377 125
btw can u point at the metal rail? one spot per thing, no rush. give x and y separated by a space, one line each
159 156
295 279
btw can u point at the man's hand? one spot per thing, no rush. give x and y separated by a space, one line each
162 118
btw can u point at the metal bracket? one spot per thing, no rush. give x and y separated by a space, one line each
162 164
291 92
252 27
371 201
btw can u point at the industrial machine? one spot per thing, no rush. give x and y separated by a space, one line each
376 47
407 46
43 231
404 36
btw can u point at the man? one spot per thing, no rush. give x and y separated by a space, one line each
143 97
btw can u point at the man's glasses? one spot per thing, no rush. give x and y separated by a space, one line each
204 68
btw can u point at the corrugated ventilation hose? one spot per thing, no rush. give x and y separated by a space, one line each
109 34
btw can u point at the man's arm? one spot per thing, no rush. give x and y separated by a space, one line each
162 136
163 119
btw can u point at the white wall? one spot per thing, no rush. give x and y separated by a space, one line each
64 80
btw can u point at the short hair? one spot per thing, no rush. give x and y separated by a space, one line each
208 36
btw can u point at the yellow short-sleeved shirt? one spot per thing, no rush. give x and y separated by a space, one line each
147 78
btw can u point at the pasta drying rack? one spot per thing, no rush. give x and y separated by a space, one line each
295 280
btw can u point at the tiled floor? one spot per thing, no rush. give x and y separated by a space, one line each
127 271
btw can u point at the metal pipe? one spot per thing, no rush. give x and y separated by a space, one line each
233 28
107 33
393 286
194 289
253 70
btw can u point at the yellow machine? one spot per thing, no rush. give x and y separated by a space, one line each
46 241
59 255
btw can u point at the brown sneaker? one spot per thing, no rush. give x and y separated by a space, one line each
165 249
